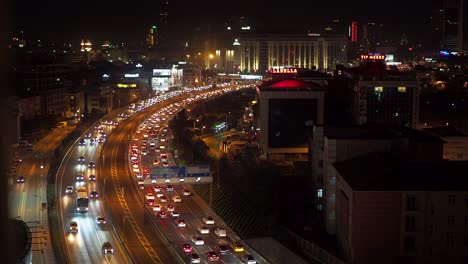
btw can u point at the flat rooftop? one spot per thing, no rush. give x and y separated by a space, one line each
393 172
376 131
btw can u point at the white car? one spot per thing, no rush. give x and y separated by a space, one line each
69 189
170 208
176 199
187 193
159 194
208 220
156 208
198 241
163 199
203 230
175 214
220 232
180 223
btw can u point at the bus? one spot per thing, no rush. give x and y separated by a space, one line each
82 200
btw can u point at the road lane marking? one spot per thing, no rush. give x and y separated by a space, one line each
128 215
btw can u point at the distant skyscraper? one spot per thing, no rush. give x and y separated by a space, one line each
353 32
164 24
452 27
152 39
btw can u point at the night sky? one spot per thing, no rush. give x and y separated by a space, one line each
117 20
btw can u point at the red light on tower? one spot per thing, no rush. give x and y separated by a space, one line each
354 32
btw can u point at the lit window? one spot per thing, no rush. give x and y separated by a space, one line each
402 89
378 89
320 193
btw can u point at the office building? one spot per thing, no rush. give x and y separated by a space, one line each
261 52
382 96
390 209
339 143
285 110
163 33
51 82
452 27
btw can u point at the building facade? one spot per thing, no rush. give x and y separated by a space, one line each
50 82
261 52
386 99
452 27
398 211
284 108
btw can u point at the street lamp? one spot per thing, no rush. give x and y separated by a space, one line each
203 127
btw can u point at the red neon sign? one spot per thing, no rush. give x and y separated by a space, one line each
372 57
283 70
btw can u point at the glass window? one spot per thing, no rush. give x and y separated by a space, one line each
402 89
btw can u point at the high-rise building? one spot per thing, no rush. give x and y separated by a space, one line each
152 38
163 34
452 27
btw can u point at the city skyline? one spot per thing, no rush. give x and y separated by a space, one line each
109 21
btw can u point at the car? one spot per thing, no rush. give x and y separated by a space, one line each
165 164
180 223
248 259
194 258
92 177
170 207
156 162
222 249
82 142
157 188
159 194
100 220
175 214
187 193
88 135
212 256
92 141
69 189
203 230
144 152
101 139
198 241
92 164
162 214
20 179
169 188
208 220
237 247
156 207
81 160
107 248
163 199
220 232
94 194
79 178
187 248
73 227
176 199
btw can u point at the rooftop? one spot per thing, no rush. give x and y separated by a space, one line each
290 85
393 172
377 131
446 131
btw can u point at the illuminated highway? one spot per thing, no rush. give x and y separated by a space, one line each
192 208
25 199
85 245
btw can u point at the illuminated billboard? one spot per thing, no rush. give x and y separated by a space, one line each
162 72
127 85
160 84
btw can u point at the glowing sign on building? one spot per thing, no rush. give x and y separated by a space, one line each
283 70
354 32
127 85
372 57
132 75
